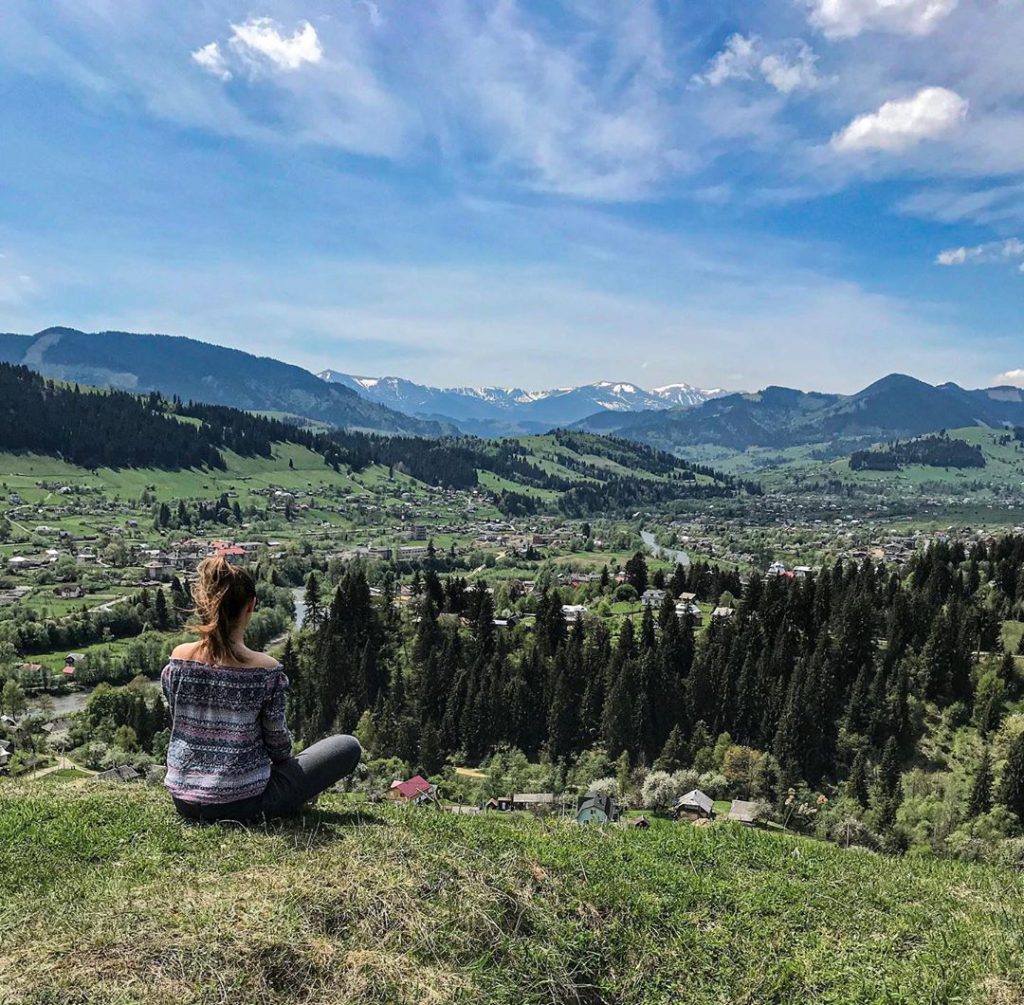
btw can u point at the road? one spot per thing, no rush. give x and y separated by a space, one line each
658 551
62 764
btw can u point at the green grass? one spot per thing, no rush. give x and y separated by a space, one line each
106 897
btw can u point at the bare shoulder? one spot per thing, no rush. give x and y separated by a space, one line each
261 660
186 651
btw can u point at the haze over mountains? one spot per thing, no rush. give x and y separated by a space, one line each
672 417
499 411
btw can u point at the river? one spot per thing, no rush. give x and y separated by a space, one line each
658 551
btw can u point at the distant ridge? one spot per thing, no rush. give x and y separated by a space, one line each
893 407
509 410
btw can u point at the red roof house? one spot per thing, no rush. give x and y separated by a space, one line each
415 788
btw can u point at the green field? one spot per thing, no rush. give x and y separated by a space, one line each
107 897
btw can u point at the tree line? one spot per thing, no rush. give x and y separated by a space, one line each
829 678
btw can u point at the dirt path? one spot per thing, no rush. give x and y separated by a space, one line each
63 764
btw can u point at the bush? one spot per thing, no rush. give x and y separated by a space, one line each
625 593
686 780
604 787
713 784
659 791
849 832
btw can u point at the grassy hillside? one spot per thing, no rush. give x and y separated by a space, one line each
106 897
1004 465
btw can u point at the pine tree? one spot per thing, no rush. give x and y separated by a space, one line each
673 754
161 614
314 607
889 790
980 800
857 784
430 757
1011 790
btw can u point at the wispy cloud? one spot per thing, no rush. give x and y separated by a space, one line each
212 60
993 253
790 68
847 18
903 122
261 42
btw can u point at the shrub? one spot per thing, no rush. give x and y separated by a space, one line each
659 791
714 784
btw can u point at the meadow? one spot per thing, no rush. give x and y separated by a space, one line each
107 897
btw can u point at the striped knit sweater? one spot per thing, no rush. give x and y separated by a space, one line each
227 728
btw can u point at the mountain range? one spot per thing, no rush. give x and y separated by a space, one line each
896 406
673 417
507 411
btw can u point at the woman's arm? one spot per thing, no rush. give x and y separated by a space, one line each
276 737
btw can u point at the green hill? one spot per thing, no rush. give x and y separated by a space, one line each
106 897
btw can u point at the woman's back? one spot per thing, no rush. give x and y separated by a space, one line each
227 725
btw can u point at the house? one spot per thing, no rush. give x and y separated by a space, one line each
232 553
69 591
122 773
73 659
535 802
6 749
500 803
595 808
573 612
640 823
695 805
722 612
776 569
160 570
744 812
802 571
652 598
412 551
416 790
686 609
687 598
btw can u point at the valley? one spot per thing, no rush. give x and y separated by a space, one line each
823 640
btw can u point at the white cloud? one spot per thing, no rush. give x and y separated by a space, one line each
211 59
746 57
260 40
737 59
1013 378
901 123
992 253
787 75
847 18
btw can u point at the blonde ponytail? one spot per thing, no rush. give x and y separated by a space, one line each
220 593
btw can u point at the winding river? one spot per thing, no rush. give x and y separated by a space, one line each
659 551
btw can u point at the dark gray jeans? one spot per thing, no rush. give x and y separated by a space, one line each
292 783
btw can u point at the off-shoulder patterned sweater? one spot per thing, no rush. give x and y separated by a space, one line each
227 728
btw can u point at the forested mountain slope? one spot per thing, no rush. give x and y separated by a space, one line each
576 472
199 371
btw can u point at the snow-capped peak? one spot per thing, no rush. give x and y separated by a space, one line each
553 406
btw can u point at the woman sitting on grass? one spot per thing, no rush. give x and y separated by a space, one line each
230 754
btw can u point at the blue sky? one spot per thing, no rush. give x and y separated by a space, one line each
806 192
